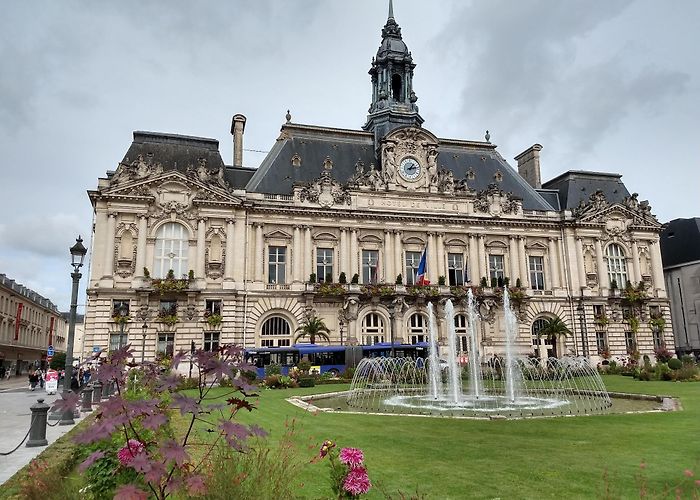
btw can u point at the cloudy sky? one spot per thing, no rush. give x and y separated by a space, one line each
603 85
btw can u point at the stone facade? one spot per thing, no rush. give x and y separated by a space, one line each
29 323
252 252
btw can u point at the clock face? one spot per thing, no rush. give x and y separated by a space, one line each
409 169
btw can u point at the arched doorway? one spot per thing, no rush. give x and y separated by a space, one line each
544 347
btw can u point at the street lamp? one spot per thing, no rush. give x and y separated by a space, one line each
77 253
192 349
144 330
584 330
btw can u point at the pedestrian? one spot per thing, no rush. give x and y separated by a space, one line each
74 384
32 379
41 378
86 376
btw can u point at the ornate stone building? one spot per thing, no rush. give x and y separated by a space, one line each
29 324
205 253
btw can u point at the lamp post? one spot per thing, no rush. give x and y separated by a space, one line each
144 330
77 253
392 315
341 323
584 330
192 349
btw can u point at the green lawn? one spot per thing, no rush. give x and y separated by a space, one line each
536 458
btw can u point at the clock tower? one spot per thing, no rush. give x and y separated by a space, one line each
393 99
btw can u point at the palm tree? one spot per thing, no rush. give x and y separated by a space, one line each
554 328
313 327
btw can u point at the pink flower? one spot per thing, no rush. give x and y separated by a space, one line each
128 452
688 473
352 457
325 448
643 465
357 482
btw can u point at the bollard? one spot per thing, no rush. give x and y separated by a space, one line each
37 432
105 390
87 399
96 392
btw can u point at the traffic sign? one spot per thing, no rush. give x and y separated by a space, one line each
96 348
48 358
50 351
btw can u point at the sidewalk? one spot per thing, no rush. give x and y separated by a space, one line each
15 417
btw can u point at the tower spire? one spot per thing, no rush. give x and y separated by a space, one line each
391 10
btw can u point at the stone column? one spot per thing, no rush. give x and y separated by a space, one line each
389 274
657 268
522 260
483 260
441 267
141 246
474 275
580 263
431 261
259 257
635 263
108 269
353 254
513 258
201 235
553 263
308 253
238 246
343 253
297 251
398 251
230 237
603 283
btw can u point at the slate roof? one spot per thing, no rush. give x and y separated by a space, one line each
680 242
576 186
27 293
277 175
178 152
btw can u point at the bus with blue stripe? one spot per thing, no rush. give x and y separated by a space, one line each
333 359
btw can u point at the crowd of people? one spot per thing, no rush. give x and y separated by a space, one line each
79 379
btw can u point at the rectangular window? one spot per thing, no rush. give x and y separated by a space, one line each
167 308
630 342
277 261
370 266
283 343
267 343
324 265
412 263
598 310
536 272
212 307
455 269
117 341
120 307
601 342
496 267
211 341
166 343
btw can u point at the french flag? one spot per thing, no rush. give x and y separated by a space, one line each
420 273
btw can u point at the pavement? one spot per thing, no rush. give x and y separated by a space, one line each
15 416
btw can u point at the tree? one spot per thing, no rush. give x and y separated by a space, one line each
554 328
58 362
313 327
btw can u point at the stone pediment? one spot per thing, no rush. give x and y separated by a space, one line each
278 235
496 202
162 186
617 217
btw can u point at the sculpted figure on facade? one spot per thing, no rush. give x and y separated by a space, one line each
446 181
325 190
389 163
136 170
494 201
432 177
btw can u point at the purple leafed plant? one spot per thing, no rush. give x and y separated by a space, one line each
138 415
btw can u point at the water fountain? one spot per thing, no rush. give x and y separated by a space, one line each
512 386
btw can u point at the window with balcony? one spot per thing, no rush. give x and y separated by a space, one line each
324 265
370 266
456 273
277 261
536 264
412 263
172 243
617 265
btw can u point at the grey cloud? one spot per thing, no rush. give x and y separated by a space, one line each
42 235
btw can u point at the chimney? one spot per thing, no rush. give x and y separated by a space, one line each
529 165
237 128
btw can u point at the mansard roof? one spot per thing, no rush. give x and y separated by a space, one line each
300 151
680 242
576 186
180 152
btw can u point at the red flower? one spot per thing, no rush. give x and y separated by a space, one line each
352 457
357 482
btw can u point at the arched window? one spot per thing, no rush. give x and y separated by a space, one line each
372 329
418 328
171 250
396 87
617 265
277 329
461 333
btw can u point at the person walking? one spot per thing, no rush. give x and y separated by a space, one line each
32 379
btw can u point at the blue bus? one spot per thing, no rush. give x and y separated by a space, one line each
334 359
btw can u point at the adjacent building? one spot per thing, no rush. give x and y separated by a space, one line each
335 222
680 250
29 324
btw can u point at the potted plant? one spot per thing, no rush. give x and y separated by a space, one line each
213 319
342 279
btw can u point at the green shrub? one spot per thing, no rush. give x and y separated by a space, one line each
687 360
185 383
273 369
355 279
349 373
307 382
662 371
675 363
686 372
304 365
342 279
